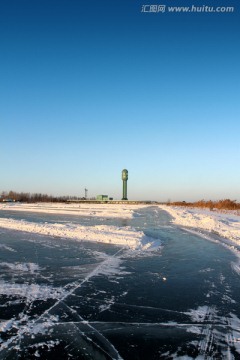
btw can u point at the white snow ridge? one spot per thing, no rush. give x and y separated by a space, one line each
127 236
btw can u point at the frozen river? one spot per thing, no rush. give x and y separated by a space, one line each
66 299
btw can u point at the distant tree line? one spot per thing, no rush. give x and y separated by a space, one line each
35 197
225 204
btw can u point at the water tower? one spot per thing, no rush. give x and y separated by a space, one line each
124 179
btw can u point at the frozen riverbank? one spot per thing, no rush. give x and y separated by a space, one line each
224 224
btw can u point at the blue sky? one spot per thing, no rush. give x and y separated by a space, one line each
89 88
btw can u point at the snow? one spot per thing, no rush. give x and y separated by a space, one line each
226 225
126 236
31 292
25 267
96 210
5 325
199 314
2 246
123 236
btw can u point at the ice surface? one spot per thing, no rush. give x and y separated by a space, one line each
96 309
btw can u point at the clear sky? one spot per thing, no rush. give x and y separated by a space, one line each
88 88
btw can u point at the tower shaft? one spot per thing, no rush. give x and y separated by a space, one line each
124 190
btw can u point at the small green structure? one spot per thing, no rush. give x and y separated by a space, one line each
124 179
102 198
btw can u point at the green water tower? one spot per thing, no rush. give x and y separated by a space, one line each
124 179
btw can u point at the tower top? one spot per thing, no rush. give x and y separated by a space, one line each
125 174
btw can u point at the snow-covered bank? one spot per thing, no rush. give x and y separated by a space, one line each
97 210
126 236
224 224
